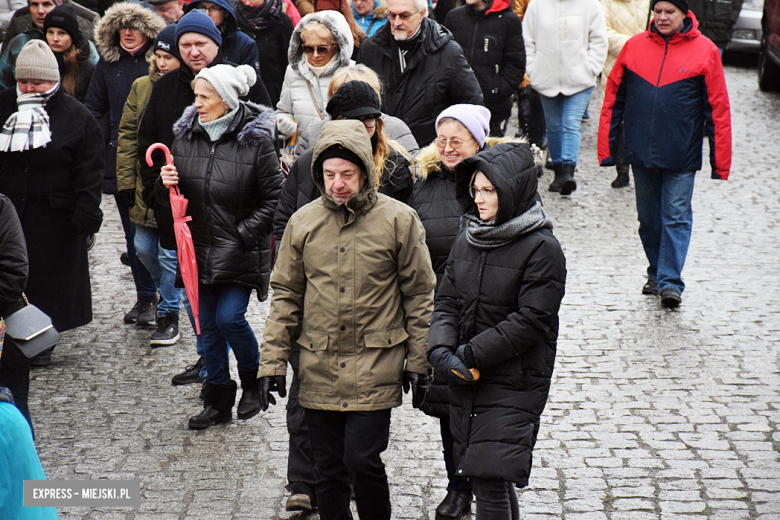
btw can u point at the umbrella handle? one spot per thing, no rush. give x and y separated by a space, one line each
158 146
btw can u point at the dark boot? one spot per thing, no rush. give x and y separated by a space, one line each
219 401
249 404
556 183
455 504
622 176
568 184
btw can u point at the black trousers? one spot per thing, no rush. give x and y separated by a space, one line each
496 499
300 461
455 481
15 375
347 446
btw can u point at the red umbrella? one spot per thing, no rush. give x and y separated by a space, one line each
187 264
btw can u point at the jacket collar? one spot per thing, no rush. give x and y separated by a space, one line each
252 124
689 31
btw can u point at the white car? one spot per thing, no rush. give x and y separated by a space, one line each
747 31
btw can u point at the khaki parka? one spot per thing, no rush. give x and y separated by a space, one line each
359 277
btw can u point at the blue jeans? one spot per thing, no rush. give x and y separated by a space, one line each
563 117
222 320
144 285
663 204
161 264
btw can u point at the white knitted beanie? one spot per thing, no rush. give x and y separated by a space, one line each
230 82
36 61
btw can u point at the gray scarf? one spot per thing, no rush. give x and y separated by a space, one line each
486 235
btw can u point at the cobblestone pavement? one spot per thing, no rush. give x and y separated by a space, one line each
653 413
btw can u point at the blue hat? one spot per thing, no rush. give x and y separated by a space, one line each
199 22
166 41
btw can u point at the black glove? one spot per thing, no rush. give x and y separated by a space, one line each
465 354
270 384
419 385
444 360
126 198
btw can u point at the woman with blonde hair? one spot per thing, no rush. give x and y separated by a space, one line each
321 44
395 128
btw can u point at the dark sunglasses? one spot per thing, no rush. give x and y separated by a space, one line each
321 49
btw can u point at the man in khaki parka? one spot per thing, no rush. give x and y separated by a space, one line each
354 268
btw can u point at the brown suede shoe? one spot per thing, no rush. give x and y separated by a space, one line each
298 502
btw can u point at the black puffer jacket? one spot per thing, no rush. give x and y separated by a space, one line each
716 19
232 186
437 76
492 42
170 96
502 302
299 188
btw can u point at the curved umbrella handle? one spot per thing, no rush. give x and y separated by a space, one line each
158 146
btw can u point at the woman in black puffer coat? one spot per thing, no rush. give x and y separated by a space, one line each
495 325
226 166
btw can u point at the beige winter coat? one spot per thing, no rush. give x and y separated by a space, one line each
624 18
359 276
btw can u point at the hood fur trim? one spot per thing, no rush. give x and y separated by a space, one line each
337 25
260 127
428 160
125 14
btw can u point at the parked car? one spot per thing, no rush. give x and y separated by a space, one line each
747 31
769 53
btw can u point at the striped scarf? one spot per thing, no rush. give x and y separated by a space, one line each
28 128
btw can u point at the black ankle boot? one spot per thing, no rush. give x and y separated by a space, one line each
622 177
455 504
249 404
558 181
568 184
218 401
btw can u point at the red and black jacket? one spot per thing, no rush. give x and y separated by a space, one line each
665 93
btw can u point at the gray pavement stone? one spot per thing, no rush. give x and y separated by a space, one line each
653 413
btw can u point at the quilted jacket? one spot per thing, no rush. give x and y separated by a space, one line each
624 18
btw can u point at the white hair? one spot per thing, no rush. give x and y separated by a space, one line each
421 5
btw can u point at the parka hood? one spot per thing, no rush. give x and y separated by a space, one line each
429 161
338 26
229 24
510 168
253 123
352 135
688 31
125 14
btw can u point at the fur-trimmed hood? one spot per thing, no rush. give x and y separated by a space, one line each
428 160
338 26
125 14
254 123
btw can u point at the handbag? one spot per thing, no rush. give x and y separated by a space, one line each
31 330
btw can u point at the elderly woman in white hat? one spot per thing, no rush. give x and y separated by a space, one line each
227 167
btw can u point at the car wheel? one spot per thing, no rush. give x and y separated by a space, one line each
768 71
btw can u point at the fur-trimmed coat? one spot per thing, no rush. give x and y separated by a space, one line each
116 71
232 186
301 88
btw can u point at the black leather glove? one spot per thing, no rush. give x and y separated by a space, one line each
270 384
444 360
126 198
419 385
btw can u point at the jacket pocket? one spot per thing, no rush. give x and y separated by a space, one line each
314 367
385 338
62 201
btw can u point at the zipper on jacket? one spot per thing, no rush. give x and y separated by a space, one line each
655 96
207 196
474 41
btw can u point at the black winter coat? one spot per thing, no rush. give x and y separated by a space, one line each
232 186
299 188
503 303
170 96
108 90
56 192
274 40
437 76
716 19
492 42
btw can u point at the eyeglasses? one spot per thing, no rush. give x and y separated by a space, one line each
485 192
209 9
320 49
455 144
368 121
403 16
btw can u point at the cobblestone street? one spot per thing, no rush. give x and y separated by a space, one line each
653 413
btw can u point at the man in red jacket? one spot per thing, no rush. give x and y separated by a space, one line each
666 87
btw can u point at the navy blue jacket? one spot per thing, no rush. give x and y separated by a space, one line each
237 47
665 93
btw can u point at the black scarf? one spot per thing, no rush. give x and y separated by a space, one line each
257 17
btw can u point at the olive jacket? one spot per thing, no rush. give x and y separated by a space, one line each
359 277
